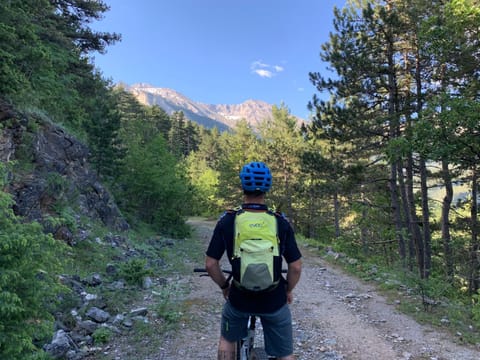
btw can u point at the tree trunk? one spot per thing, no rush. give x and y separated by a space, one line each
474 278
425 220
313 213
288 195
445 220
363 228
415 245
336 207
394 131
403 195
396 213
423 245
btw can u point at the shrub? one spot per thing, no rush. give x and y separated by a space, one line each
28 283
102 335
134 271
168 307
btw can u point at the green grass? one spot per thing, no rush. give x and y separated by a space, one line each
90 256
169 306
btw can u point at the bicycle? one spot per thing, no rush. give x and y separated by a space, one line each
245 348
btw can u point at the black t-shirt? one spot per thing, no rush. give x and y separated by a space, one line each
222 240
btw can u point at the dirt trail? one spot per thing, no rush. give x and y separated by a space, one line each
335 317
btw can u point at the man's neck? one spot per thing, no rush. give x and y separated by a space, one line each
250 199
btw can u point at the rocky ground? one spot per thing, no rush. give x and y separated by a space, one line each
335 317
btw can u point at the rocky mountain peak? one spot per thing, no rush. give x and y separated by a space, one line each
222 116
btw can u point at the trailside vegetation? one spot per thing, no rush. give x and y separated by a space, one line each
386 171
29 283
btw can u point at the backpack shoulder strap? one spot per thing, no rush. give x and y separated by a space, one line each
279 215
238 210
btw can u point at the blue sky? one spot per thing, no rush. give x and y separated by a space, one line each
220 51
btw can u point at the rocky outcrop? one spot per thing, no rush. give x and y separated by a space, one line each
11 125
80 331
52 173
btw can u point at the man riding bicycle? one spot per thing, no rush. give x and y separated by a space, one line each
267 300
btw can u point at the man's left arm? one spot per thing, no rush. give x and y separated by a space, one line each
293 276
293 258
213 268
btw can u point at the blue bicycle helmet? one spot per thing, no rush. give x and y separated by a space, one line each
256 176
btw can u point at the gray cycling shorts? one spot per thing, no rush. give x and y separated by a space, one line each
277 328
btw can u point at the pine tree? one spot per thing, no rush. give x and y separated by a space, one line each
177 138
160 120
45 56
237 149
155 188
102 128
281 146
365 109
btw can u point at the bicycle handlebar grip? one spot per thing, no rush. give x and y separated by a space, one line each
199 270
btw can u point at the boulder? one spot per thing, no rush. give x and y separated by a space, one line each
60 345
98 315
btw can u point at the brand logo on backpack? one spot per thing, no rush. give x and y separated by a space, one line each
256 253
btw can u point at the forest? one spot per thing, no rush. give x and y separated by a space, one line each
386 170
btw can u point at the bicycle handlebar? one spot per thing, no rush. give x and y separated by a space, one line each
202 270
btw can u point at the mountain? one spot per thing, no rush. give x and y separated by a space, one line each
221 116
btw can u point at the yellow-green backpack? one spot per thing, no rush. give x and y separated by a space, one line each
256 248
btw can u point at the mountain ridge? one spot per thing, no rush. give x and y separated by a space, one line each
222 116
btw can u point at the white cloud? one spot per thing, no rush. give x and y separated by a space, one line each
263 73
259 64
265 70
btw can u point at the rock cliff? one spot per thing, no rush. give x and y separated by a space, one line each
52 174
